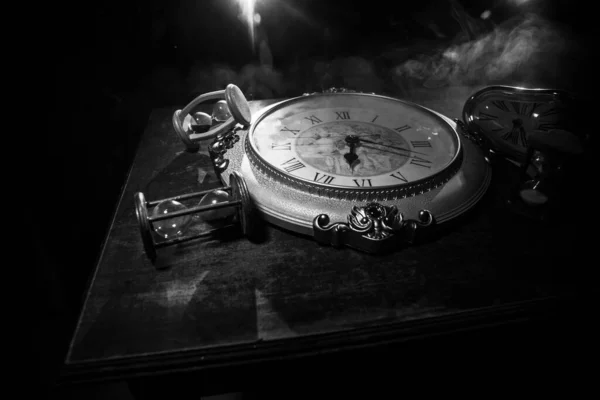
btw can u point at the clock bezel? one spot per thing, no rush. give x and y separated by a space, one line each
388 192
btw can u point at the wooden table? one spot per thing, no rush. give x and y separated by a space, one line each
214 302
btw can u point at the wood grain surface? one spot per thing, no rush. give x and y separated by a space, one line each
283 293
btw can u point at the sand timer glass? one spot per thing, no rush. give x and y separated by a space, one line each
231 108
543 172
169 220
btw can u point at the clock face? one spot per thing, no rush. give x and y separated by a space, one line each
353 141
508 116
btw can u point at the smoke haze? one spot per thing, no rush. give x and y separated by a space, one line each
526 50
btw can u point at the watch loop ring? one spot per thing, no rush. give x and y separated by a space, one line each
238 107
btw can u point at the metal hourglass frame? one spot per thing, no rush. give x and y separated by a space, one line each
238 107
239 198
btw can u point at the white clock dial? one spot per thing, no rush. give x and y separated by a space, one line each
354 141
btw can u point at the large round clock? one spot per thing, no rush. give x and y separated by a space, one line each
354 168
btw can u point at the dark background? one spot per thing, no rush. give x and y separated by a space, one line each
107 64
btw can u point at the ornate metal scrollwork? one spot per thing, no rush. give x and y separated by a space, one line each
372 228
219 147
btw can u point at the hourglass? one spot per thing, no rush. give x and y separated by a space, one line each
170 219
192 128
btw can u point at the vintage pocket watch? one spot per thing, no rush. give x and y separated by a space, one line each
344 167
364 170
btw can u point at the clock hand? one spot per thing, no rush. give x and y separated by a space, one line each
359 136
351 157
391 147
388 151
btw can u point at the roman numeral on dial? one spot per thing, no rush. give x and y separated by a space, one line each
342 115
363 182
285 146
292 165
323 178
293 131
420 143
313 119
421 162
398 175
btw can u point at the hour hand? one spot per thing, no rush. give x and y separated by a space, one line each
351 157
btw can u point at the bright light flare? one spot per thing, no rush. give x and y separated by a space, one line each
247 10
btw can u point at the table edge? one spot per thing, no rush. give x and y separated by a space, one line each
527 311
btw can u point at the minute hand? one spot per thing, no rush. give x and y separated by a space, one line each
391 147
390 151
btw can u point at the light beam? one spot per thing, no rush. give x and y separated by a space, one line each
247 10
